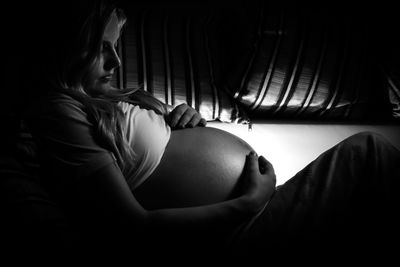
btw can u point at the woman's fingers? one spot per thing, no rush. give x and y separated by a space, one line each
193 120
260 181
196 120
202 122
251 161
264 165
266 168
176 115
260 163
185 116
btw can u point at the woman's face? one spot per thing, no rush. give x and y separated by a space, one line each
100 74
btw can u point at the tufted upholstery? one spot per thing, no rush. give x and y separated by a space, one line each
310 63
174 52
273 60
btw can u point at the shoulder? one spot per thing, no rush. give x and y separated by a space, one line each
56 105
59 117
61 103
59 122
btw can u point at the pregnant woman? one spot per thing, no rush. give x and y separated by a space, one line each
142 175
120 156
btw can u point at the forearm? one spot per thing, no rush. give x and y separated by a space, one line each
110 198
107 194
215 216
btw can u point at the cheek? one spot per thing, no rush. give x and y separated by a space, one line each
93 73
95 70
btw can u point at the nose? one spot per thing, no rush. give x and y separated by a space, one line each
113 61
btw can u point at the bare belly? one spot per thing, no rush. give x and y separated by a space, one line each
200 166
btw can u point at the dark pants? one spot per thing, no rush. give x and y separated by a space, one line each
343 205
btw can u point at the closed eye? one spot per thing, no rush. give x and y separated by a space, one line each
107 46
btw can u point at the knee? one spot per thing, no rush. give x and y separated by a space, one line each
369 137
368 142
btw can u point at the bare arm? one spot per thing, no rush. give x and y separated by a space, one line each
108 194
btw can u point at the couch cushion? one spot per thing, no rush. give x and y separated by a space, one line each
391 79
32 223
310 62
173 51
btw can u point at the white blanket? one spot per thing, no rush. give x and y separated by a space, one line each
291 146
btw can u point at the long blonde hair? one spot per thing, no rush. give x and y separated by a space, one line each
68 73
110 120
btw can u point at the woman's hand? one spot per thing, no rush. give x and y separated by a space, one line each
260 182
184 116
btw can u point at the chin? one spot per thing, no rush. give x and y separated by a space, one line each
100 87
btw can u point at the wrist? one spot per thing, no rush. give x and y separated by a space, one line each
250 205
254 203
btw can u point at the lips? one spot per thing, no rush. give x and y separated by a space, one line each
106 78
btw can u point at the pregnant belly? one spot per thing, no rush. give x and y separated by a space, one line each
200 166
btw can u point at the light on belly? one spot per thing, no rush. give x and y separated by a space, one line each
200 166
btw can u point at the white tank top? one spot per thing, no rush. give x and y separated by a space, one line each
148 135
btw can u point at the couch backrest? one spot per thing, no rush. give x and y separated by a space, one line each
319 61
274 60
174 52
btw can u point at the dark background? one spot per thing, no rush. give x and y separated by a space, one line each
380 19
